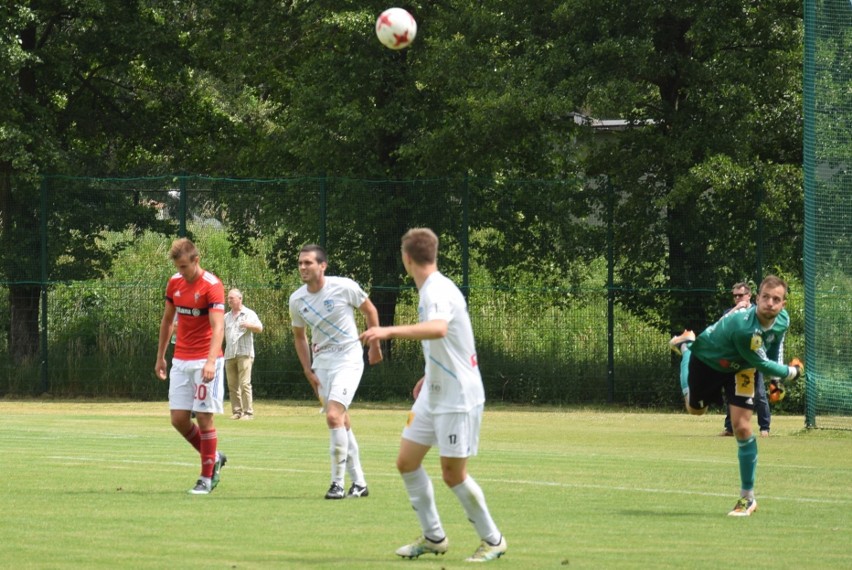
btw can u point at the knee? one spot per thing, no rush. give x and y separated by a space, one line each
334 420
404 465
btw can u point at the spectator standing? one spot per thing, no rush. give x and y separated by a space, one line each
241 324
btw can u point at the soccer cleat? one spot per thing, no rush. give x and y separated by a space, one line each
764 433
335 492
356 491
744 507
236 416
487 552
221 459
423 546
684 337
201 488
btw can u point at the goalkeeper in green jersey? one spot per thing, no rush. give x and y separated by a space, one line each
726 356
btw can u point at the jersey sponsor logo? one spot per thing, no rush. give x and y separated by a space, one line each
725 363
329 305
190 311
756 342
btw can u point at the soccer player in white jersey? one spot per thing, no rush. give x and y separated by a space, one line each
334 360
448 405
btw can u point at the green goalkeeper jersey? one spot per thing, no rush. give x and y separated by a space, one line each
737 341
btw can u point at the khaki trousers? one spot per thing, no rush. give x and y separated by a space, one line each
238 373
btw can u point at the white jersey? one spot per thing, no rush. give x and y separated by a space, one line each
330 315
453 382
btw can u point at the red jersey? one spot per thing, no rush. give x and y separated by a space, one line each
193 303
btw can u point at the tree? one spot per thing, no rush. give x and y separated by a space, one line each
453 106
713 91
91 87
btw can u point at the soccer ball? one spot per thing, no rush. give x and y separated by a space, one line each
396 28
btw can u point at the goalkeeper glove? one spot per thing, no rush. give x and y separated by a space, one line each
776 391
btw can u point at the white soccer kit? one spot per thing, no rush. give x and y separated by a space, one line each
453 382
330 316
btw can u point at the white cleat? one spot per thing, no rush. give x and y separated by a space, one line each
487 552
423 546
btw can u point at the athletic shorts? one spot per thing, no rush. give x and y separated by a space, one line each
188 392
456 433
339 384
706 386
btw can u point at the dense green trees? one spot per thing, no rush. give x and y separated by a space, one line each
490 91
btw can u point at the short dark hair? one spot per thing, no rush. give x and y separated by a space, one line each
317 250
772 281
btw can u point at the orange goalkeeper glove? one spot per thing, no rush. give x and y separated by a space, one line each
776 391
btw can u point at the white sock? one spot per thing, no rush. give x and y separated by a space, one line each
337 450
422 497
472 498
353 461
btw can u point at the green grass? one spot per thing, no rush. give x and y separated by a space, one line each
103 485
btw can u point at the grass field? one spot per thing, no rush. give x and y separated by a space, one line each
103 485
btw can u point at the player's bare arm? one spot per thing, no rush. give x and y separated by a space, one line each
371 316
217 325
417 387
161 367
426 330
303 351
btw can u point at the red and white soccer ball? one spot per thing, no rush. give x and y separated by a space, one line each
396 28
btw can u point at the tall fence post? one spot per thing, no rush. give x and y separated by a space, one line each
45 383
610 287
323 188
182 199
759 229
465 237
809 169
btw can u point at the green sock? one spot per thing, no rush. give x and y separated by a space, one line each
747 454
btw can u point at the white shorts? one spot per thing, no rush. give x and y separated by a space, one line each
456 433
188 392
339 384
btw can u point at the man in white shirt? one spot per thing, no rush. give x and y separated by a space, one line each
449 402
241 324
333 362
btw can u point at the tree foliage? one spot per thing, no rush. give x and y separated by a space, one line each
486 97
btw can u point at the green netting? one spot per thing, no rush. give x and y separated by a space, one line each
828 211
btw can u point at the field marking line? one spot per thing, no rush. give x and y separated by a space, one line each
527 482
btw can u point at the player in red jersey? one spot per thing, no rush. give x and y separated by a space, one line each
196 384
